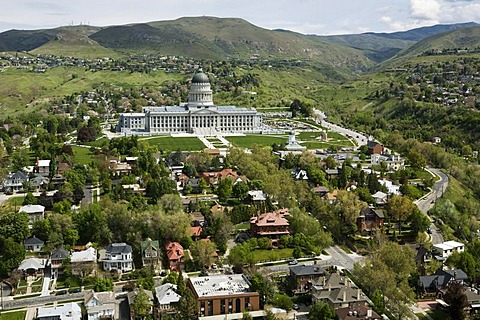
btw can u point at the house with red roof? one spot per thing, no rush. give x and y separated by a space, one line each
175 255
272 225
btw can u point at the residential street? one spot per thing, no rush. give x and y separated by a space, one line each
428 201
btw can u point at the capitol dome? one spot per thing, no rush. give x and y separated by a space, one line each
200 77
200 94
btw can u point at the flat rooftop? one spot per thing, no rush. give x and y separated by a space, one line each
220 285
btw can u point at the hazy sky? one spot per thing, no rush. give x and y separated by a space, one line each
306 16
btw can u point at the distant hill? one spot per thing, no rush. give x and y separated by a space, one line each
213 38
222 38
382 46
457 39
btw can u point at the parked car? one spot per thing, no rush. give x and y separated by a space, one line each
293 262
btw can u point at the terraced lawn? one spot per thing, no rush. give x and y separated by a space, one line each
260 139
169 143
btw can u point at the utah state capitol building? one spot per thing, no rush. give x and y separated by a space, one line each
199 116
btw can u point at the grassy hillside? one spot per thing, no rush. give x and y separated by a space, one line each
457 39
75 42
22 91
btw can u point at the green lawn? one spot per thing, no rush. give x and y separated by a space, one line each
168 143
98 143
271 255
242 226
16 315
14 202
82 155
264 140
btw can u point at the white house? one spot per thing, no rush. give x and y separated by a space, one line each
33 244
118 256
35 212
445 249
68 311
167 296
100 305
15 181
393 162
42 167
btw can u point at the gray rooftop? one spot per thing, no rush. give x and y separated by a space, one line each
220 285
119 248
302 270
166 294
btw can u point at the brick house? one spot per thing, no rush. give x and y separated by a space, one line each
175 256
374 147
370 219
272 225
302 277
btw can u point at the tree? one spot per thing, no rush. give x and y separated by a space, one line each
11 255
246 315
171 203
418 221
321 311
14 225
400 208
103 284
29 199
240 190
264 286
202 252
142 304
457 300
224 189
282 301
348 206
19 159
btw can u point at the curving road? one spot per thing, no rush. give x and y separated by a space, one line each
427 202
359 138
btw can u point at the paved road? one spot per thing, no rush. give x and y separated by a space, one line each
40 301
359 138
428 201
336 257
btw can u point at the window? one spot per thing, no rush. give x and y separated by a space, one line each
222 307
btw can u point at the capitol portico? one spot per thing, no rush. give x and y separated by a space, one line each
199 116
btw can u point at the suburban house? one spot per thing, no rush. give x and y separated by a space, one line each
338 291
42 167
33 244
84 262
15 181
167 297
216 176
356 312
392 162
373 147
132 295
195 232
331 197
272 225
100 305
68 311
256 196
422 258
380 197
445 249
151 254
35 212
33 267
118 257
370 219
57 258
198 219
438 281
39 181
175 256
303 276
223 294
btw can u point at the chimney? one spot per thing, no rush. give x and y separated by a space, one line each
344 295
329 287
369 313
359 291
324 281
